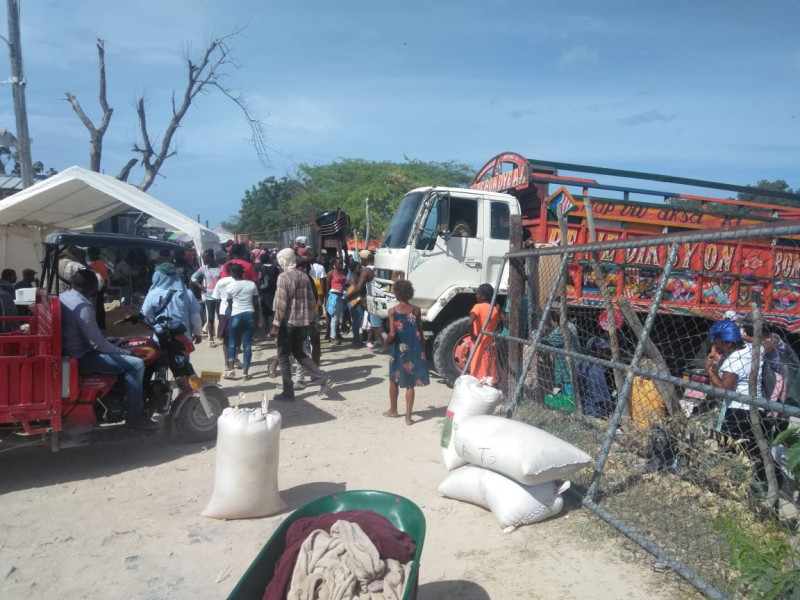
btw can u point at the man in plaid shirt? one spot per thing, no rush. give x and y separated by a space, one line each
294 311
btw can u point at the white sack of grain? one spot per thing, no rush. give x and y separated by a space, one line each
511 503
246 476
525 453
469 399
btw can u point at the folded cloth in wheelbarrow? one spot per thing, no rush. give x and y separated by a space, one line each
345 564
390 542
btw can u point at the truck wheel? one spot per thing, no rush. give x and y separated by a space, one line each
191 422
451 350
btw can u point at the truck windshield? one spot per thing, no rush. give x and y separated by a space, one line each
400 228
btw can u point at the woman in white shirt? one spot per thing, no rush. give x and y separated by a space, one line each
242 296
728 366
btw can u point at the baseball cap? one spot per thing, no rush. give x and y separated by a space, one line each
301 240
365 253
28 272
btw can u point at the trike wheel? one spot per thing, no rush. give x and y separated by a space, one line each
192 423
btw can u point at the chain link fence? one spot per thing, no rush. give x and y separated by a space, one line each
607 346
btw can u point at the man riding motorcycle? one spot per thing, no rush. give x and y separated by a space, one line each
81 339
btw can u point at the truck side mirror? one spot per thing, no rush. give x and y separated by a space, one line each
443 216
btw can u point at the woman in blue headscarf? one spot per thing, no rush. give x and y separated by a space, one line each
728 366
168 296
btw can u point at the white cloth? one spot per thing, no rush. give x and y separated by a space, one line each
243 293
740 363
345 564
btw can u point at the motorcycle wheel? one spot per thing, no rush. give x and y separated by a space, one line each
192 424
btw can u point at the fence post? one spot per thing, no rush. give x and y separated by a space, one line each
536 336
601 282
516 280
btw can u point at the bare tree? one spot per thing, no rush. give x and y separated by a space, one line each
204 76
95 133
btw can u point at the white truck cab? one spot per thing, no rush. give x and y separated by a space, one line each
446 241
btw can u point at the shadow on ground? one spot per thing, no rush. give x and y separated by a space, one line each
451 590
38 466
301 495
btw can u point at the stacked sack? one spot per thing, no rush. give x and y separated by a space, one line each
515 470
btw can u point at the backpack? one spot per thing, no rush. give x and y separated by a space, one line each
264 281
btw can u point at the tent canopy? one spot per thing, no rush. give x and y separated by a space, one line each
224 234
76 199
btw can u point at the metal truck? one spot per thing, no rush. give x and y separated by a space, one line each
448 241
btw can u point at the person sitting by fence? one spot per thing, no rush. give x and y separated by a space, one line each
555 339
774 352
591 379
728 366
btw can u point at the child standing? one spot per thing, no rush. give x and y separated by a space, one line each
407 365
484 360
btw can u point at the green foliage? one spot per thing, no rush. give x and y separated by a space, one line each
274 205
777 186
9 164
765 561
732 209
791 439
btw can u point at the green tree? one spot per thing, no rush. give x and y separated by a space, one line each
778 186
345 184
9 164
732 209
269 207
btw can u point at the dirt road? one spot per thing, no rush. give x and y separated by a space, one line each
121 518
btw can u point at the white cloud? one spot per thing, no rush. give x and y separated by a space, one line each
577 54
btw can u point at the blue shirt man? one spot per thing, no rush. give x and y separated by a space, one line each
81 339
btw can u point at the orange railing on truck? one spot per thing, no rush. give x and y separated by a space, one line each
709 277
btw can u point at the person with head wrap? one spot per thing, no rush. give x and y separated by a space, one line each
484 360
294 312
728 366
168 296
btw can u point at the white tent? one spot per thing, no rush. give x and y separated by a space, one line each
224 234
77 199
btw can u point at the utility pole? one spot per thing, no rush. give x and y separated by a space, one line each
18 87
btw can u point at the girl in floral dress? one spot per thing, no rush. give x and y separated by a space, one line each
407 365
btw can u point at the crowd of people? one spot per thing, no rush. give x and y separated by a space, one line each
297 296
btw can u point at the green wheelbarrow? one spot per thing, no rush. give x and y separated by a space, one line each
404 514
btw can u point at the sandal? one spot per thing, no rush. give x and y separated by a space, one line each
247 377
229 374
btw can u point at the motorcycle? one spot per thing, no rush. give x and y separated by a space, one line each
191 414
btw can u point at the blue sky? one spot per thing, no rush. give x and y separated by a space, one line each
709 90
